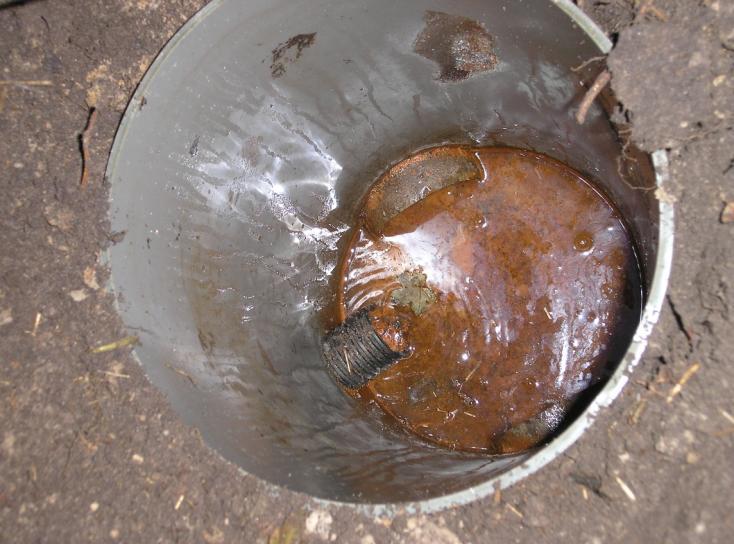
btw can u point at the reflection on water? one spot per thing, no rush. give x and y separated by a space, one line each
538 293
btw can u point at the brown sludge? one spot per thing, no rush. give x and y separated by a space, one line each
516 290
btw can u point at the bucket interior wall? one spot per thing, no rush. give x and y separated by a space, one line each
236 188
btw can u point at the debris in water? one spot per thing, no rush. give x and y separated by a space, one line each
414 292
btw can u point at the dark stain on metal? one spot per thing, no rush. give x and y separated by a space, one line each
206 339
289 51
459 45
194 149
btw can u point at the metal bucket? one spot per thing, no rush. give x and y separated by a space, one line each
236 170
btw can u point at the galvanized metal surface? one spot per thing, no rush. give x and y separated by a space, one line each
236 188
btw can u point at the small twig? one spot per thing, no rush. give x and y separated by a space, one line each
115 374
727 416
36 323
515 510
687 375
104 348
635 416
84 144
25 82
626 489
3 97
178 502
587 62
599 83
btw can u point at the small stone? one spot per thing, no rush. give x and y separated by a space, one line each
59 216
727 214
6 317
114 534
138 459
664 196
427 531
78 295
367 539
94 506
692 458
718 80
8 444
90 278
669 446
215 536
319 523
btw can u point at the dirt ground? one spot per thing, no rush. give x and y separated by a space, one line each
91 452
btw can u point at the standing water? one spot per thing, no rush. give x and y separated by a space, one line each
509 280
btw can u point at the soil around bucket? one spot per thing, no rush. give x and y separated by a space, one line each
53 417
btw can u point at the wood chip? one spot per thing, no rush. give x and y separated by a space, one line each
78 295
727 214
6 316
90 278
497 496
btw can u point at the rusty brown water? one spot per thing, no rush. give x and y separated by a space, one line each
529 293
